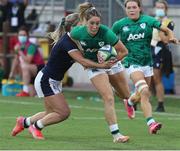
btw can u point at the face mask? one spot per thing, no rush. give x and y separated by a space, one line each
160 13
22 39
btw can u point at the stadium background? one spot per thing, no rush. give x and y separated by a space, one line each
51 12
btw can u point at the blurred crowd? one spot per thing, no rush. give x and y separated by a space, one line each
13 20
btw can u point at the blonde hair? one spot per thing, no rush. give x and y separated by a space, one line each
87 10
64 26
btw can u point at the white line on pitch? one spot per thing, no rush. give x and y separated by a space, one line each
84 107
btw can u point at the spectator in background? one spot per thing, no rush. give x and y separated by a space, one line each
16 9
3 13
31 20
29 58
162 57
3 16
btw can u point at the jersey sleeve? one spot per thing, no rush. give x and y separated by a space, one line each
75 32
65 44
114 28
111 37
31 50
155 23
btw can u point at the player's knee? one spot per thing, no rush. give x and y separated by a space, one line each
108 97
64 114
67 113
145 92
142 88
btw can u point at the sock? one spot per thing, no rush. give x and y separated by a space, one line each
38 124
25 88
150 120
115 131
27 122
130 103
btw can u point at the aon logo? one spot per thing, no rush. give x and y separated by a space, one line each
136 36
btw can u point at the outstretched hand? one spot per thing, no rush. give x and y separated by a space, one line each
174 40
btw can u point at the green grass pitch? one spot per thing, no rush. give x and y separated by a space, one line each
86 128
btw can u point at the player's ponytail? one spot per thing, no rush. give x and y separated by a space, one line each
86 11
64 26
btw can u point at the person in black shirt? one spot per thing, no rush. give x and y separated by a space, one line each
31 19
16 9
3 14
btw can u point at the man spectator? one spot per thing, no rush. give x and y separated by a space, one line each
31 20
16 9
2 13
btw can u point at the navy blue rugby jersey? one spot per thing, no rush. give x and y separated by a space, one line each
60 61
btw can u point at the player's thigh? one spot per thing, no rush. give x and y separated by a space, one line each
102 84
137 76
120 84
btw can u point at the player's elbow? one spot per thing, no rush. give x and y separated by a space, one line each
125 52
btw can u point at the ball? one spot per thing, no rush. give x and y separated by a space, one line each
106 53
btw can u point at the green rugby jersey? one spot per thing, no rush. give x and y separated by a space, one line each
136 36
91 44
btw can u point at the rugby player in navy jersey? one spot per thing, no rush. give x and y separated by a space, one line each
47 83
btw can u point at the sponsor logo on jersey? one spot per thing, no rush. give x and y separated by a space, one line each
83 43
135 36
143 25
101 43
125 28
91 50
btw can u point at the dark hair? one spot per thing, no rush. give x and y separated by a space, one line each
87 10
64 26
23 28
137 1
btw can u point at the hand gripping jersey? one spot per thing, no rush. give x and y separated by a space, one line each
136 36
91 44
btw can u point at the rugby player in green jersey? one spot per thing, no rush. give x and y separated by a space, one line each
135 31
48 82
92 35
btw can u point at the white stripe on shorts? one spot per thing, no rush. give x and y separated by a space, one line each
56 86
37 84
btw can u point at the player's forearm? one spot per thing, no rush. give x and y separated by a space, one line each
122 51
91 64
168 32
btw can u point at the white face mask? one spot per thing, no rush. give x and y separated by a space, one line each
160 13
